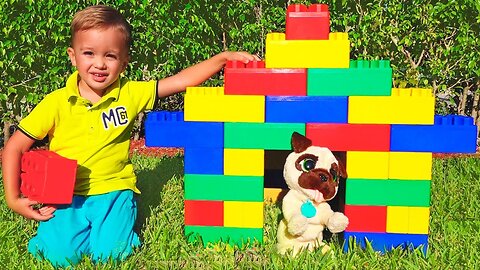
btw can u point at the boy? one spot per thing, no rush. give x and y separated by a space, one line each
90 120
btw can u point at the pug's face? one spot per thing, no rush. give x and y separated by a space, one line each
312 170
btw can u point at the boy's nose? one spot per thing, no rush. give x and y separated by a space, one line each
99 63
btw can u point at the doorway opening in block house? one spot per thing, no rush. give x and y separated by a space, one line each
275 187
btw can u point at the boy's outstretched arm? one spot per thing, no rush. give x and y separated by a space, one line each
200 72
18 144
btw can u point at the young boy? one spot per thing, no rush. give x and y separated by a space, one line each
90 120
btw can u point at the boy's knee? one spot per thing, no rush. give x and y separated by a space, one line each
57 255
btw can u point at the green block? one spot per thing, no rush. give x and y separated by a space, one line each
223 187
269 136
388 192
409 192
366 192
363 78
213 234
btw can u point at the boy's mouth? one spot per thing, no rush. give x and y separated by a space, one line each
99 77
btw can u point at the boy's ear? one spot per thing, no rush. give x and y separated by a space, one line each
71 55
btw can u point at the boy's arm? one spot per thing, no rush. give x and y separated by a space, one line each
199 73
18 144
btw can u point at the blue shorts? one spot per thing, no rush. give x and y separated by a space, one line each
100 226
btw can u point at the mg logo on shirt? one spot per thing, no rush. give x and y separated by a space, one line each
115 116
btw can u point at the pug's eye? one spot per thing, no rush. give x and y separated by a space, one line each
333 172
307 164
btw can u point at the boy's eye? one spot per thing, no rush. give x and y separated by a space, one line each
307 164
88 53
112 56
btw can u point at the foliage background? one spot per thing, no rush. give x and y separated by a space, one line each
430 43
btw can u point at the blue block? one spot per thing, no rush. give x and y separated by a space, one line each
168 129
203 160
306 109
448 134
384 242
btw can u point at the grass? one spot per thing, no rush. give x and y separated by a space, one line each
453 241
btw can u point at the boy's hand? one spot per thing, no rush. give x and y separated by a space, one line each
25 207
244 57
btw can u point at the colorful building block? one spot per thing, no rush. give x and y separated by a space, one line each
331 53
448 134
243 214
350 137
243 162
373 165
383 192
272 136
213 234
204 213
386 241
274 194
307 23
410 165
47 177
362 78
254 79
411 220
306 109
203 160
223 187
366 218
404 106
168 129
209 104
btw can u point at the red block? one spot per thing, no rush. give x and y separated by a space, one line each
310 23
204 213
350 137
48 177
366 218
255 79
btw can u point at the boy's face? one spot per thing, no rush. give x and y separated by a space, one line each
99 55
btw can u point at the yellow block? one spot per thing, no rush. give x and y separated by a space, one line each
407 219
331 53
246 162
369 165
243 214
211 104
397 219
410 165
274 194
419 218
404 106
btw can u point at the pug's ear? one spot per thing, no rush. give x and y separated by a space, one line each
300 143
342 161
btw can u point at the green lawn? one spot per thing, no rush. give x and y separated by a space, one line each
453 244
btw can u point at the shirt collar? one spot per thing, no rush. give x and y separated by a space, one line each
112 92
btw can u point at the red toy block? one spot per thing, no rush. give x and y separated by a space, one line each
366 218
350 137
48 177
204 213
310 23
255 79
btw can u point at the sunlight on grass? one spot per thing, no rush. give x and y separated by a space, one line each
453 243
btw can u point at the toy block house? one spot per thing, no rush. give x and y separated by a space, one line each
236 137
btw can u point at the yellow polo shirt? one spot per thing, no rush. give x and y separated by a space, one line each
96 135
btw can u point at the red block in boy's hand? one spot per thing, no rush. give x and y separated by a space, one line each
48 177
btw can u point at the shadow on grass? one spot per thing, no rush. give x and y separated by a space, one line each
150 181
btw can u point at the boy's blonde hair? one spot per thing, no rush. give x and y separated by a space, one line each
101 17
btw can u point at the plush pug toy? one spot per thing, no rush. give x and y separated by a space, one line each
312 174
